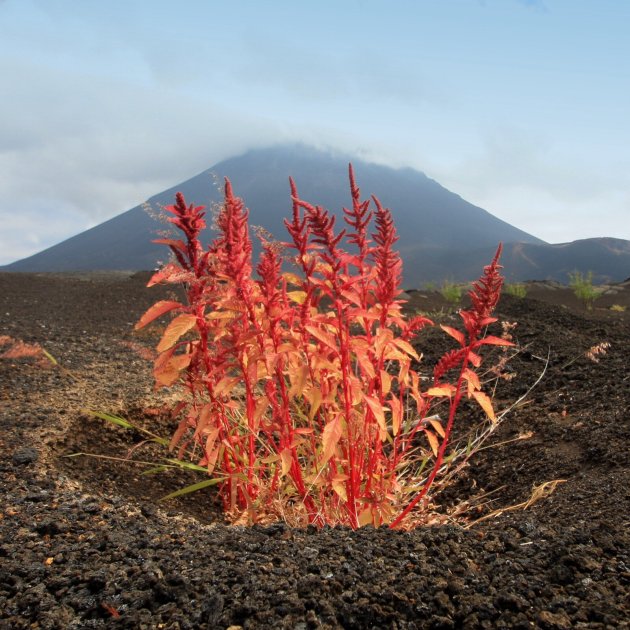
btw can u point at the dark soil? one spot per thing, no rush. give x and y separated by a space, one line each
84 542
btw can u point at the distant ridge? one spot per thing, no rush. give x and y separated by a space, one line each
442 236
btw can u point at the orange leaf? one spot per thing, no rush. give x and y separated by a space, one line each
491 340
366 517
456 334
473 381
178 327
167 367
225 385
486 404
330 438
286 458
397 413
386 382
443 390
170 273
352 296
365 364
339 486
212 458
262 405
405 346
212 451
437 425
159 308
433 442
205 416
298 379
314 397
377 409
323 336
179 434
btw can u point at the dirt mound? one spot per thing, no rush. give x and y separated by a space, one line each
84 542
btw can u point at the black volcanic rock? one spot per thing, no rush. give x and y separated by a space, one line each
441 235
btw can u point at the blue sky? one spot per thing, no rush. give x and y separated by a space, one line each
519 106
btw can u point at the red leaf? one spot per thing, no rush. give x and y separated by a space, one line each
474 358
456 334
491 340
171 242
159 308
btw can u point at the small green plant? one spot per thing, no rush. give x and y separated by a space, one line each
451 292
299 391
618 308
583 289
430 286
517 290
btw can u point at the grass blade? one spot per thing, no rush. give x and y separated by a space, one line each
193 488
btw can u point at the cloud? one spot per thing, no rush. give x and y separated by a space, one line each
528 180
81 151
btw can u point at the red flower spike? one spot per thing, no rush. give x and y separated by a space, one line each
387 260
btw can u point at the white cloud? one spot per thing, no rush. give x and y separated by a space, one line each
102 148
529 180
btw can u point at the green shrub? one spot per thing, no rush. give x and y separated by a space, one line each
451 292
517 290
583 288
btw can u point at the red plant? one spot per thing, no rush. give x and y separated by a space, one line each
300 392
17 349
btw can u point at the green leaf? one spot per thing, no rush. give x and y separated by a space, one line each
50 357
110 418
153 471
187 465
194 488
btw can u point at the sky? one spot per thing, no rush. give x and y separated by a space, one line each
519 106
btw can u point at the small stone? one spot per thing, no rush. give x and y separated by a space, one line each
25 456
310 553
555 621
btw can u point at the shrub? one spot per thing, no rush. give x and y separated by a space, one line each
583 288
516 290
451 292
300 393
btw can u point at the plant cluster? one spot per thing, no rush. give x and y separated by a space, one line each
517 290
451 292
301 395
583 289
11 348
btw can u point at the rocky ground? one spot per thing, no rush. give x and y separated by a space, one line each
84 542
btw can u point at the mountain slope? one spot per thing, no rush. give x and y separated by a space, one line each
441 235
426 214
